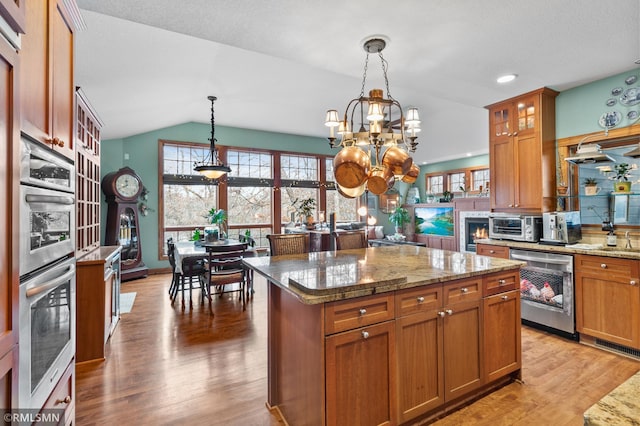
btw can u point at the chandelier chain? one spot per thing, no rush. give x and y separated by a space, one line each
213 126
364 75
385 66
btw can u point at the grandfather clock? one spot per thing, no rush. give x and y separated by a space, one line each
122 189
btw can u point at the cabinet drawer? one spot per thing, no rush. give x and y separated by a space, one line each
500 282
614 268
353 313
418 299
462 291
63 395
493 251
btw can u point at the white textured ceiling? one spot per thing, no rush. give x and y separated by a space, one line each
279 65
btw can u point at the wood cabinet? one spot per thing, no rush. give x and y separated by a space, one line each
608 299
522 152
63 396
97 295
88 127
46 74
9 221
13 11
501 318
493 251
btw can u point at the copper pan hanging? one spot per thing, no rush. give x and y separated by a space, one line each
380 180
351 192
412 175
398 160
351 167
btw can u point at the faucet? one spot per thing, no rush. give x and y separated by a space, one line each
626 235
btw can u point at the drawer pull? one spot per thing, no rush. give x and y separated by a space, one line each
505 297
365 334
449 311
464 290
441 314
502 282
66 400
603 265
492 251
420 299
363 311
633 282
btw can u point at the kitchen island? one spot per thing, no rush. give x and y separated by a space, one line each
387 335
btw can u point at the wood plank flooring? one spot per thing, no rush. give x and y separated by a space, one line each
166 366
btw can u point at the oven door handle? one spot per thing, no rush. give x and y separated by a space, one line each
539 259
51 284
49 199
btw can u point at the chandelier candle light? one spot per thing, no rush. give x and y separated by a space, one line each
375 155
212 167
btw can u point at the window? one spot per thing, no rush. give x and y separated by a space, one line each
457 182
480 180
435 184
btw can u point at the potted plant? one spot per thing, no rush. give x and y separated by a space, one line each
622 172
399 218
216 217
304 209
591 186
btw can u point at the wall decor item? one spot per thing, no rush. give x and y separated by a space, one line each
611 102
631 79
616 91
610 119
632 115
434 221
630 97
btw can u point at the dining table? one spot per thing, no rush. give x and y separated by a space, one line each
189 249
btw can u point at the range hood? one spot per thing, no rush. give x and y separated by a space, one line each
589 154
633 153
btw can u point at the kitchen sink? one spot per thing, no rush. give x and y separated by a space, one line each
626 250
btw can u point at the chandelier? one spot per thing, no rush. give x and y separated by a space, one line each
212 167
374 148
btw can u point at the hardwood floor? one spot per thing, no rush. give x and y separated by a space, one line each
166 366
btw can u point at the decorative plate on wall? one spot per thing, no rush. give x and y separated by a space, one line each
616 91
630 97
632 115
611 102
631 79
610 119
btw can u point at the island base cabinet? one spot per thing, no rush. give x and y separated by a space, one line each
502 354
360 376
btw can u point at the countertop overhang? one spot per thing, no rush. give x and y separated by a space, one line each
335 275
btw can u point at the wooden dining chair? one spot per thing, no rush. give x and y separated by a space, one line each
225 267
349 239
192 276
281 244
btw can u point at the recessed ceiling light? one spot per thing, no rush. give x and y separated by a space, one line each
468 154
506 78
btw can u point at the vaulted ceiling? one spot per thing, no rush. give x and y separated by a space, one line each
279 65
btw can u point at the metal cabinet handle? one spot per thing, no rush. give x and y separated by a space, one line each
516 205
502 282
510 205
441 314
365 334
464 290
492 251
633 282
449 311
66 400
515 133
505 297
420 299
363 311
603 265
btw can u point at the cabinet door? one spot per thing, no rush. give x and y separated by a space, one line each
361 376
528 166
608 299
8 378
502 173
462 348
8 199
420 364
502 353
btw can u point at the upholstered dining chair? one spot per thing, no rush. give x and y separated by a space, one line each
349 239
192 276
224 268
281 244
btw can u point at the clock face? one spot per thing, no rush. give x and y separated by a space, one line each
127 186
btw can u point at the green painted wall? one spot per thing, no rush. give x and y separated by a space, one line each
142 152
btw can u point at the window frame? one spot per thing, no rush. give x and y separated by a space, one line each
446 179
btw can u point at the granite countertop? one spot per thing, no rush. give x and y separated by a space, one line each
99 255
620 407
575 249
334 275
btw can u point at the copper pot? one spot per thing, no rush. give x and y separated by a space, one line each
351 192
412 175
398 160
380 180
351 167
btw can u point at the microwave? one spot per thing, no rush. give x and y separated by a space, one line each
515 227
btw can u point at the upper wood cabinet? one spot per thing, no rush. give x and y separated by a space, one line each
522 152
88 127
46 77
13 11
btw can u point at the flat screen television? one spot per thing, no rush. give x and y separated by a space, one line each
434 221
